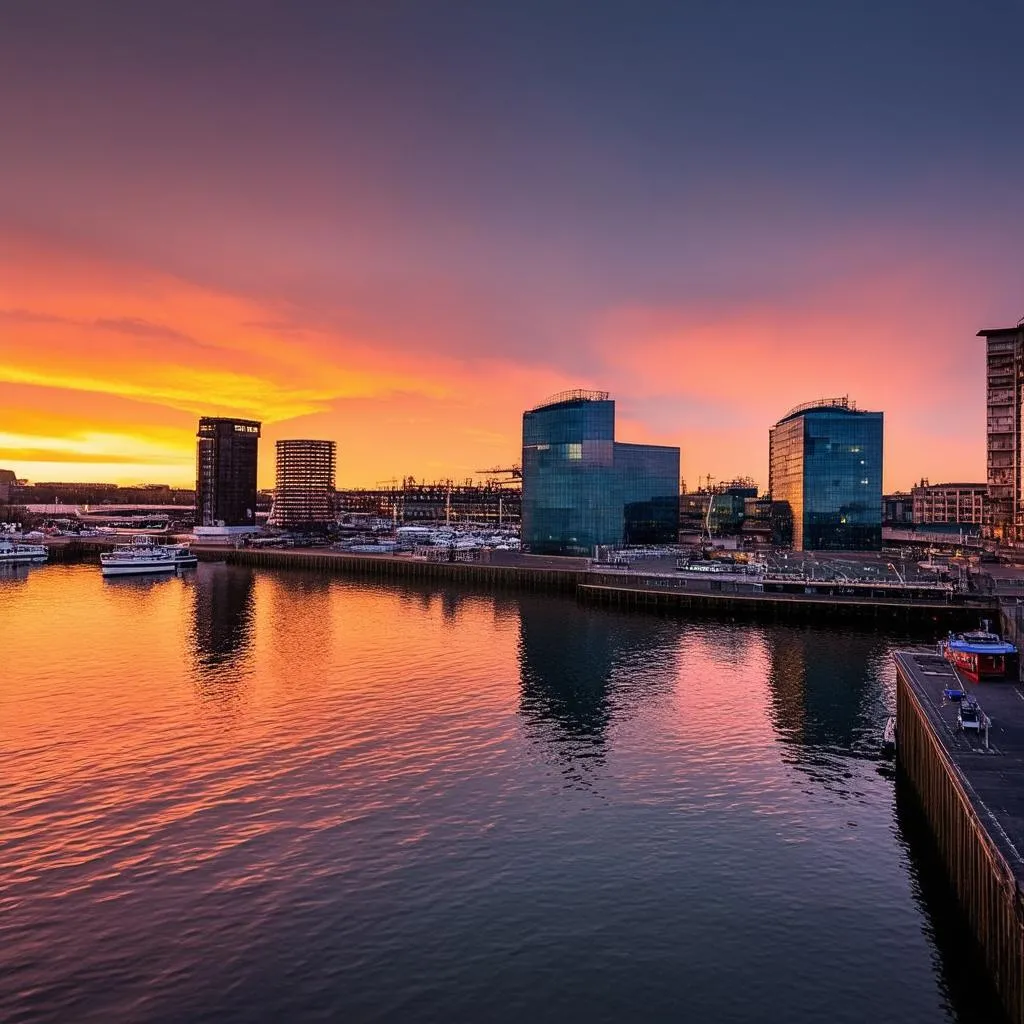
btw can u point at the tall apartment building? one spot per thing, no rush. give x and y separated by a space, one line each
304 491
226 451
825 464
950 503
1004 375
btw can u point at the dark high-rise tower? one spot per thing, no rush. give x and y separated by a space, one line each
304 494
226 473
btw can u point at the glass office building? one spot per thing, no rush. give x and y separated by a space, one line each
649 477
582 490
825 465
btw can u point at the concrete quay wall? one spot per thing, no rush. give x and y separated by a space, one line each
662 595
625 591
877 612
972 844
384 567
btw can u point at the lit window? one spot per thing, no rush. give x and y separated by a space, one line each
574 451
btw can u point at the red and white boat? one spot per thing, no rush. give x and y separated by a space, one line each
982 655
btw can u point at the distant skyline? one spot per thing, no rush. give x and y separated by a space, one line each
398 225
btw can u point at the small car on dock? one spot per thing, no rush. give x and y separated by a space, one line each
969 716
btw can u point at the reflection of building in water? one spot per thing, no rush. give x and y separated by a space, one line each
823 690
223 612
571 690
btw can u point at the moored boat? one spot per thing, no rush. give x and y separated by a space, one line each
181 553
981 655
14 552
183 556
135 560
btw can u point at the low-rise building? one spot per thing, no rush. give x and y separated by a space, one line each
897 508
7 481
950 503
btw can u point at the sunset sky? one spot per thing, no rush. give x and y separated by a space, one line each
399 224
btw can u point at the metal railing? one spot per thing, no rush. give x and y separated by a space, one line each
843 402
575 395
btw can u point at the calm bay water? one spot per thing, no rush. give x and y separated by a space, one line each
243 796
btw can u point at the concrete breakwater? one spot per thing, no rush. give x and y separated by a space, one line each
647 592
972 794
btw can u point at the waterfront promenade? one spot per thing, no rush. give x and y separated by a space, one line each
972 792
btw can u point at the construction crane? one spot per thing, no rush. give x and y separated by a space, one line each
493 474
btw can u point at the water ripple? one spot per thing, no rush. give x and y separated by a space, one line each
247 796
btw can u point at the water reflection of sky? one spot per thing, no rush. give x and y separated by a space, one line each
423 803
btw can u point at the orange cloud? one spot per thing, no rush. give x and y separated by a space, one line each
106 366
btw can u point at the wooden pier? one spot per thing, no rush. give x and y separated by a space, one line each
971 790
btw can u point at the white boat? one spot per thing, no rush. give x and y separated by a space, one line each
14 552
137 560
181 553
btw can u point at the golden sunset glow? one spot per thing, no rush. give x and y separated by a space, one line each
106 366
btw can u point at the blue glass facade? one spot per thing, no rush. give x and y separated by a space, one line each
581 489
649 477
825 464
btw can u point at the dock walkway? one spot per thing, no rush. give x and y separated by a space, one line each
973 798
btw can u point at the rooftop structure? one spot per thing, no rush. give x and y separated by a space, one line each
842 402
571 397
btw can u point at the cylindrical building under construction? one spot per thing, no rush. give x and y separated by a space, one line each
304 494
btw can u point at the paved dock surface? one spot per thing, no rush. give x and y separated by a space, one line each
994 778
